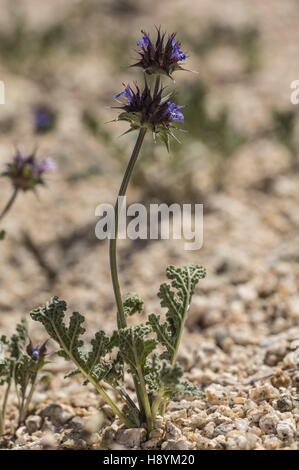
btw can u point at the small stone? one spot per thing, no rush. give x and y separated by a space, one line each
292 359
109 435
263 392
155 439
223 429
286 429
20 432
181 444
209 429
295 380
281 379
130 437
294 344
179 416
271 442
199 419
172 432
239 400
236 440
56 414
268 423
33 423
108 411
285 403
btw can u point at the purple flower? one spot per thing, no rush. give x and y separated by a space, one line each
173 111
36 353
44 119
145 40
127 93
25 172
144 109
160 56
176 51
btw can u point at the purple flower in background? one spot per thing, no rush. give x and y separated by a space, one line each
44 119
160 56
25 172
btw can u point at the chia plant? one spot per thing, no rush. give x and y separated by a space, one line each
20 367
25 173
149 350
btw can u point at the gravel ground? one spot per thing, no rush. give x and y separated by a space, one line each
241 342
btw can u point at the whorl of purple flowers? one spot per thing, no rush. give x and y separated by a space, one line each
25 172
159 56
152 109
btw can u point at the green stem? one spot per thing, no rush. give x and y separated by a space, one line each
121 319
9 203
3 410
25 407
144 397
96 385
159 397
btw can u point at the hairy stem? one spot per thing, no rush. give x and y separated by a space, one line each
121 319
9 203
24 411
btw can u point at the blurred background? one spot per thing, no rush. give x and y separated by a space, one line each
61 62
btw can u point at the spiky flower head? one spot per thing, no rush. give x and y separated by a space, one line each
26 172
162 56
142 108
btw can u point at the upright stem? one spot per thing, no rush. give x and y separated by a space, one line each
3 410
9 203
121 319
24 410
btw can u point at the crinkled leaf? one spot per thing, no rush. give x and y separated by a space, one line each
176 297
69 339
134 345
133 304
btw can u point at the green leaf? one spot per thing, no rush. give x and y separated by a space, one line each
2 234
134 345
69 338
133 304
18 339
186 388
176 297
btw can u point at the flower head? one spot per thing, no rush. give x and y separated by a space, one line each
141 108
25 172
36 353
161 56
44 119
